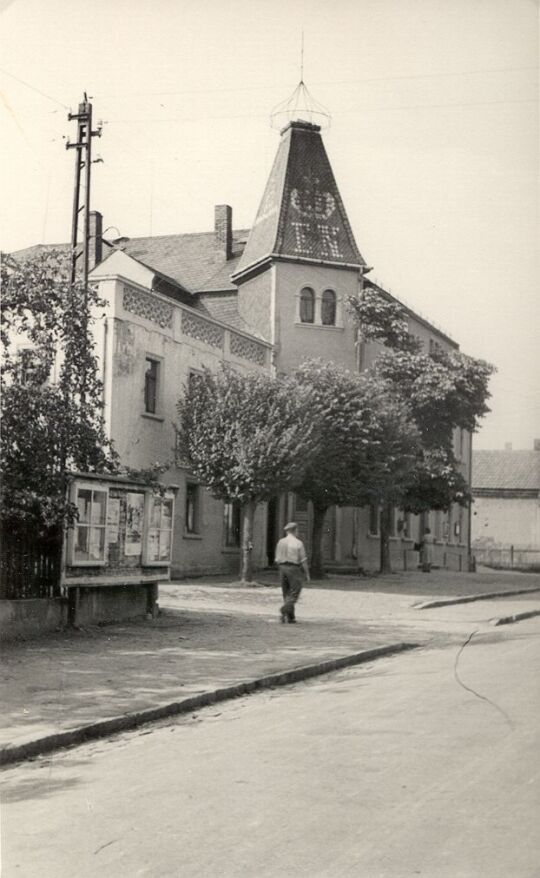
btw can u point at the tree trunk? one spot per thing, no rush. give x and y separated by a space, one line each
384 529
248 515
317 568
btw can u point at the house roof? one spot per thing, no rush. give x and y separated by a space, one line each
409 311
36 249
506 470
224 307
301 215
192 260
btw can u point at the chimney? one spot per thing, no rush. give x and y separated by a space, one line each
536 445
223 228
95 247
508 446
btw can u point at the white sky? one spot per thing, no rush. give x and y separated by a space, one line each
434 142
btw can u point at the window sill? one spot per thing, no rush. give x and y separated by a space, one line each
230 550
152 417
186 536
318 326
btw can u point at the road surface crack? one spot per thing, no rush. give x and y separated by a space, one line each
473 691
106 845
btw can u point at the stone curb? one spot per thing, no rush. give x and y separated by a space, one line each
517 617
129 721
469 598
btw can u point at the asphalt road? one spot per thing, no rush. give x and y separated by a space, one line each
388 770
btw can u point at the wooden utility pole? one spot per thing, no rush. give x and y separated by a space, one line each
81 200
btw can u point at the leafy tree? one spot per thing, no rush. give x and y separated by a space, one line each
366 441
246 437
443 389
49 426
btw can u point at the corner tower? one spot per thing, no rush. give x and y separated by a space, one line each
301 261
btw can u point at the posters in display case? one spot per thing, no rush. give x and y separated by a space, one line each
134 523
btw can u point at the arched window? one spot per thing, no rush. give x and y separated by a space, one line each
328 308
307 305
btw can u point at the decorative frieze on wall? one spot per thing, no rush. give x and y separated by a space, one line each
202 330
247 349
148 306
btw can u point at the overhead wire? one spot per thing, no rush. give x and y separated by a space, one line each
337 81
364 109
34 88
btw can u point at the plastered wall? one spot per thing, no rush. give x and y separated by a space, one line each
143 439
503 522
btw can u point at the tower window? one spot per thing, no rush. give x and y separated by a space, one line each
307 305
328 308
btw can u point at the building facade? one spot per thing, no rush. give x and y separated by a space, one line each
267 298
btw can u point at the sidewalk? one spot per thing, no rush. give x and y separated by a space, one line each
213 634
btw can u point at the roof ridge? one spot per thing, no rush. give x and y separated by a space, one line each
176 235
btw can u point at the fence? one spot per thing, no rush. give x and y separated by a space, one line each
507 557
30 563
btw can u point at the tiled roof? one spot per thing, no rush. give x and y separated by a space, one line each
193 260
36 249
225 308
301 214
506 470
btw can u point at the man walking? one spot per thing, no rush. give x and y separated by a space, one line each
292 559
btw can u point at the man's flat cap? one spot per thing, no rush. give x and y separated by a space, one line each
291 525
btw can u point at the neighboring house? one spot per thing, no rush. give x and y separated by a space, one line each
266 298
506 510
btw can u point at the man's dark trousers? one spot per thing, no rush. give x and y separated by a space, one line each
290 579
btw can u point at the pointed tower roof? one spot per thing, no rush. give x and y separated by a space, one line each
301 216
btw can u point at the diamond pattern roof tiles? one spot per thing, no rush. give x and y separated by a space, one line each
301 214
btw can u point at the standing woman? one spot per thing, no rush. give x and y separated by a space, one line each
427 551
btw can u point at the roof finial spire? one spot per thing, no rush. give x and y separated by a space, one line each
301 106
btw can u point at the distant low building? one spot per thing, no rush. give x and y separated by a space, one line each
506 511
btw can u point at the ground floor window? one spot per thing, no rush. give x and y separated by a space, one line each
374 519
232 523
192 511
458 524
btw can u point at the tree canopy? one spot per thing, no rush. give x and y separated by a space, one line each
366 440
51 402
246 437
443 389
